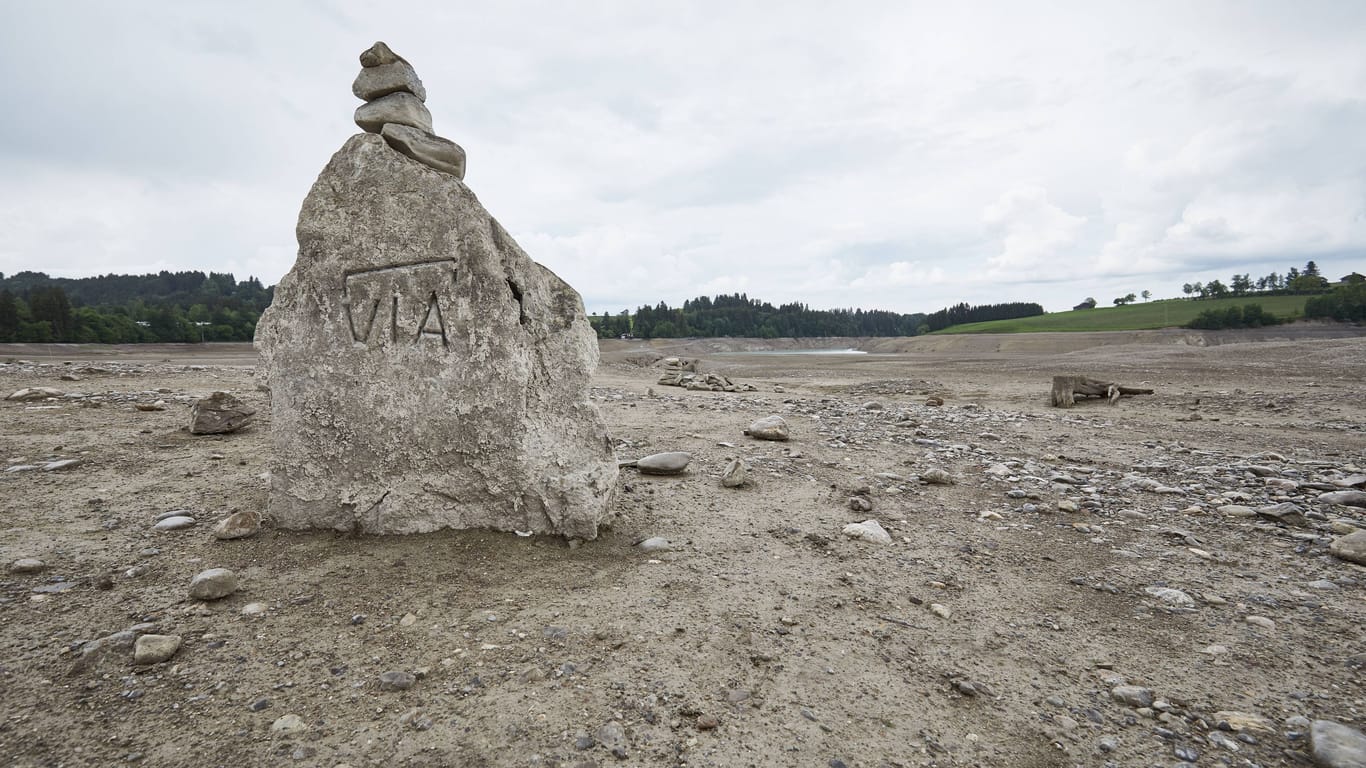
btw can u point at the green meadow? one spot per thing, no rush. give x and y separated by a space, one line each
1134 317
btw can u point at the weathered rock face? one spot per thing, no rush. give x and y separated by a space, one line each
424 372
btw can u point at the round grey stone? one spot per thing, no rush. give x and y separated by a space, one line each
213 584
1132 695
769 428
1351 547
27 565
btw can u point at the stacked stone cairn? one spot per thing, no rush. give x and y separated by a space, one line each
395 108
684 373
424 372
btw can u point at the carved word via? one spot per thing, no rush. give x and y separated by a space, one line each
407 303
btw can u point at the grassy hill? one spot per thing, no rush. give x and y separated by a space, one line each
1134 317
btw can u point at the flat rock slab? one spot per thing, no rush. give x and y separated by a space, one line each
400 107
154 649
35 393
1351 498
424 372
61 464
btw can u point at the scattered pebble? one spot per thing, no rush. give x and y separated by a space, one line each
868 530
174 523
396 680
288 725
655 544
238 525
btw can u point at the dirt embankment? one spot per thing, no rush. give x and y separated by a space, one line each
975 343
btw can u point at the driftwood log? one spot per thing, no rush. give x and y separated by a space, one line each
1067 388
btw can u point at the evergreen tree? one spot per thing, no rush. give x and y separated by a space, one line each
9 316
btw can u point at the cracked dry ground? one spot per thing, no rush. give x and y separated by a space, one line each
764 636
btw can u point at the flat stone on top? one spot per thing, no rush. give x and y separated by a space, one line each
378 55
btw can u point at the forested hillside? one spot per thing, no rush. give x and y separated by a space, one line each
115 309
739 315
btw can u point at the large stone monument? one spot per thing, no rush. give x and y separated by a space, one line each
424 372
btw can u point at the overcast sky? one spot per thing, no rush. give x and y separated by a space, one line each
892 155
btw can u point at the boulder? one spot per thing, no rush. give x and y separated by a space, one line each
400 107
384 79
424 372
218 414
1336 745
769 428
427 148
1351 547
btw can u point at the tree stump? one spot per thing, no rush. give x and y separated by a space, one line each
1067 388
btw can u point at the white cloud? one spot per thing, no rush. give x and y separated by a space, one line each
894 155
1036 236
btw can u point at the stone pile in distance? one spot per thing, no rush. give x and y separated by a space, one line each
685 373
395 108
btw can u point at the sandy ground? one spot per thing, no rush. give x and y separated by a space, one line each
993 630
